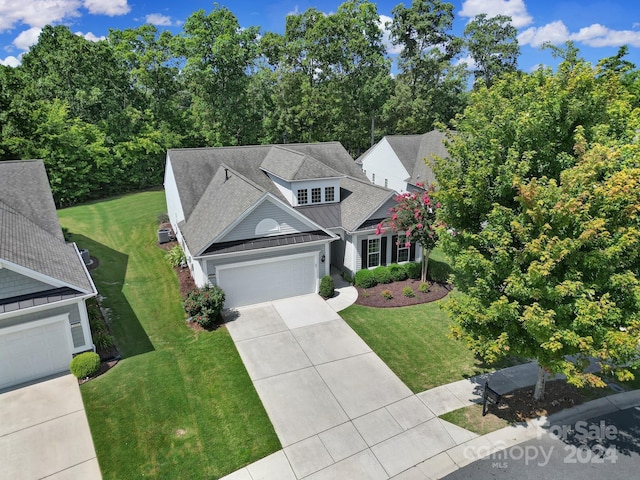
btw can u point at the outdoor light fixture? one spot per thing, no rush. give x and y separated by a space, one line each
322 258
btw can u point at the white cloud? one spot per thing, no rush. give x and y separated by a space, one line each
554 32
595 35
27 38
110 8
468 61
10 61
386 36
158 19
36 13
516 9
90 36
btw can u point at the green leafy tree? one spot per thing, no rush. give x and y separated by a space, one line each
492 43
428 87
413 218
541 202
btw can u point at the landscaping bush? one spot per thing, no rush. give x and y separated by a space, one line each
413 269
204 305
424 287
408 292
346 277
386 294
397 272
382 275
85 364
326 286
176 256
439 271
102 340
365 279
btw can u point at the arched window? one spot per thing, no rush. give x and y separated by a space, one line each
267 226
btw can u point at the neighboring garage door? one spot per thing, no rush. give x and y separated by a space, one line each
34 350
264 280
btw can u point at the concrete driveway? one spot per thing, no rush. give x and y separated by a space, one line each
337 408
44 433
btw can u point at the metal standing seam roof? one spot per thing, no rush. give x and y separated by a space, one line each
30 233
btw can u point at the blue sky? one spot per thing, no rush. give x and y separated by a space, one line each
598 28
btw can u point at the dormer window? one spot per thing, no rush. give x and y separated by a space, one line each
316 195
329 194
303 197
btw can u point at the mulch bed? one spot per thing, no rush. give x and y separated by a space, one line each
518 405
371 297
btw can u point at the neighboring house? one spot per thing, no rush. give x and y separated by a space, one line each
43 280
266 222
398 161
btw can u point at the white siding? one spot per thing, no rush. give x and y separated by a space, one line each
174 206
247 228
384 163
309 184
284 187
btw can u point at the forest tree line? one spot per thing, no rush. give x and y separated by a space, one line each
102 114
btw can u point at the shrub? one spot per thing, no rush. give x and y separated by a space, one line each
85 364
162 218
102 340
386 294
326 286
204 305
365 279
408 292
424 287
397 272
176 256
413 269
382 275
346 277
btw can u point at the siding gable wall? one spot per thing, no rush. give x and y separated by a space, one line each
13 284
247 228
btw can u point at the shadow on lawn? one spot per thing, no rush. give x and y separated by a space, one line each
109 277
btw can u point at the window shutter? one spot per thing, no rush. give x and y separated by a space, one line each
364 255
394 249
383 251
412 252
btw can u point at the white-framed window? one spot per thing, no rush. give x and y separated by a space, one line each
316 195
403 250
303 196
373 252
329 194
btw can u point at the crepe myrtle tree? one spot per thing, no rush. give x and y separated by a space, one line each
413 218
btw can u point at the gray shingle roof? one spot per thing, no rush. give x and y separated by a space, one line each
291 165
211 205
30 233
412 150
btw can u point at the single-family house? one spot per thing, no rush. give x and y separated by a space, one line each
44 282
398 161
267 222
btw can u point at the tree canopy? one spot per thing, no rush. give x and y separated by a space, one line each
541 205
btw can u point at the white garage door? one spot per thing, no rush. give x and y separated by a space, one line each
261 281
34 350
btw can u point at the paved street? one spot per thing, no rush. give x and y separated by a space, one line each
606 446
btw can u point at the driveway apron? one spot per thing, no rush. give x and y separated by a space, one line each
336 407
44 433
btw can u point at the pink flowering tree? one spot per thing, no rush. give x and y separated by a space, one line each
413 218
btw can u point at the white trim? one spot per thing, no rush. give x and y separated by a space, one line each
258 251
228 266
86 270
41 323
44 306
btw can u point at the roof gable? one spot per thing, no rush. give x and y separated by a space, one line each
291 165
31 240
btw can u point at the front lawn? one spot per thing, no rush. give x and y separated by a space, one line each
180 404
414 342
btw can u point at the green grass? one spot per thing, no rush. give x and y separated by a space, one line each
414 342
179 404
470 418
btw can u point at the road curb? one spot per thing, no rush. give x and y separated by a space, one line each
470 451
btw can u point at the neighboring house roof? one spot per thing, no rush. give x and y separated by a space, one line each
30 233
217 185
412 150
